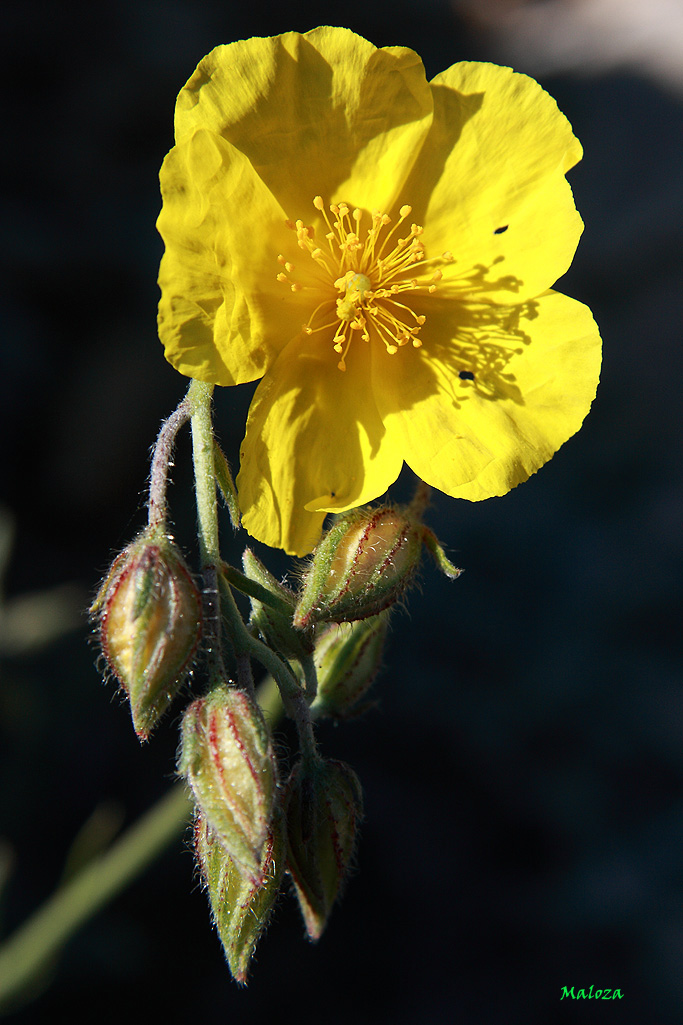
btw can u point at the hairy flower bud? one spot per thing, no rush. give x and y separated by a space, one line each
361 566
150 624
240 907
324 807
227 757
364 564
347 658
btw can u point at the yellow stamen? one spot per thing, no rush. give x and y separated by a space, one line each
359 277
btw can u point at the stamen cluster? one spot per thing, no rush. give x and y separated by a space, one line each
363 279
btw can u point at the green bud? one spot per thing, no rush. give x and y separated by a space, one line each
347 657
273 617
361 566
324 807
150 623
226 756
240 907
364 564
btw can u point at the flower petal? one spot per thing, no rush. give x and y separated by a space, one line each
220 299
325 113
528 386
490 183
314 444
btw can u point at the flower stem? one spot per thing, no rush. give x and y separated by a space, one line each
226 484
293 697
255 590
199 398
158 479
310 677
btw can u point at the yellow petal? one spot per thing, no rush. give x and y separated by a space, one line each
490 186
314 443
535 371
480 154
325 113
223 316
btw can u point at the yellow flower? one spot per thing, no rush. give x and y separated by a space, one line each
380 250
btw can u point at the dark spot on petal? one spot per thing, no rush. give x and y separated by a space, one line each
499 231
465 375
333 494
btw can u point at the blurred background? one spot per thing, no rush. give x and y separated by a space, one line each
523 771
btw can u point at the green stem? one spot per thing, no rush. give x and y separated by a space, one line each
35 942
226 484
293 697
310 677
255 590
199 397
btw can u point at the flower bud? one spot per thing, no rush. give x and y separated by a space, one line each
227 758
347 657
324 807
361 566
150 624
240 907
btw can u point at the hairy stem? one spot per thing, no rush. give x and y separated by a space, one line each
199 398
293 697
255 590
310 677
161 461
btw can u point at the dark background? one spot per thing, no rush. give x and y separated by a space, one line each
523 773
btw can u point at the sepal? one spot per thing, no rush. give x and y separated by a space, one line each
432 543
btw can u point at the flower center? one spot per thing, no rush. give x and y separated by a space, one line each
362 278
